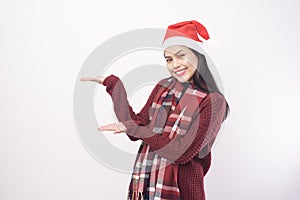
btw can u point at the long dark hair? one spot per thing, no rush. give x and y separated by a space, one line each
208 84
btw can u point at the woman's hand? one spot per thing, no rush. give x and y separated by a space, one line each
97 79
116 127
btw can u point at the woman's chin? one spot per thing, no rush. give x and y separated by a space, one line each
178 78
181 79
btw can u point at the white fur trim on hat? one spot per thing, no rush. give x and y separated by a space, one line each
180 40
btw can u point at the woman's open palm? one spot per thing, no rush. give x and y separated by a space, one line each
97 79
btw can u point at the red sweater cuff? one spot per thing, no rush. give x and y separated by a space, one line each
110 83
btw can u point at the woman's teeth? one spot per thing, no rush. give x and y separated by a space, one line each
181 72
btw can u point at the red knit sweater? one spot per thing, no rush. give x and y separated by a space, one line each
192 169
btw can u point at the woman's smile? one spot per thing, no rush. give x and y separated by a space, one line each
180 72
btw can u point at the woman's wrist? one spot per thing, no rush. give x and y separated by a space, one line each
101 79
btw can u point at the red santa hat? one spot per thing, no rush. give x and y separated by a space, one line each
186 34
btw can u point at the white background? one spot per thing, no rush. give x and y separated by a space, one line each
255 46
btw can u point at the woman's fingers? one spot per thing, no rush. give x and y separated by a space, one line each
108 127
97 79
116 132
87 79
116 127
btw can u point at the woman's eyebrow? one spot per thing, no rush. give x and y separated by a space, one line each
178 51
175 53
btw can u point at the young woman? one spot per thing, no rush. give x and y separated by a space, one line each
178 123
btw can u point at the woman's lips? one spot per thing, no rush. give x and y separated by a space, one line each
180 72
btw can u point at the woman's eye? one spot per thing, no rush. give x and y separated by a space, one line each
181 55
168 60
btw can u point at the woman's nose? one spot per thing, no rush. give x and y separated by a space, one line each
176 64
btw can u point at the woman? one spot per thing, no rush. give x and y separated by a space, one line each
178 123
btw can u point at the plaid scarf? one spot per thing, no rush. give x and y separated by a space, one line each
155 177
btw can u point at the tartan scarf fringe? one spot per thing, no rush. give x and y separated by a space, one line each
136 195
155 177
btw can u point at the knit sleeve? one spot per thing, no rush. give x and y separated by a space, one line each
200 135
123 110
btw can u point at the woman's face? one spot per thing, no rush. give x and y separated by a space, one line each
181 62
